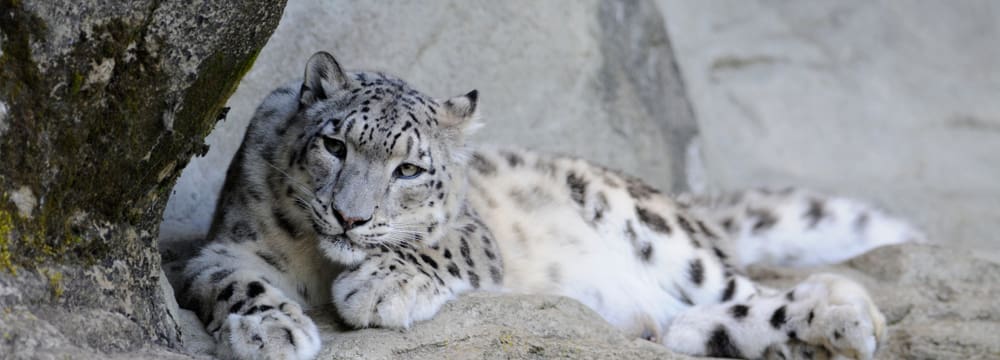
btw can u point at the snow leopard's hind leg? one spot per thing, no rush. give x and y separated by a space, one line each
825 316
796 227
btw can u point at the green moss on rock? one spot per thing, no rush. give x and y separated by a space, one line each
6 228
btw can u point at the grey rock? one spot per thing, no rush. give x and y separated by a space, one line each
595 79
101 105
489 326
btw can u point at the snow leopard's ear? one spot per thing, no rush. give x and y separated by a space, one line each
460 111
323 77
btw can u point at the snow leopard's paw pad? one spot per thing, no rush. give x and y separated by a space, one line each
368 297
266 332
844 319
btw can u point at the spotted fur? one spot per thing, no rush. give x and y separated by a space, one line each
354 188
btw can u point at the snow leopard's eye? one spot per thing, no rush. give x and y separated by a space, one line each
335 147
408 171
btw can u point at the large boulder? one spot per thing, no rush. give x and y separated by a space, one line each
102 103
594 79
490 326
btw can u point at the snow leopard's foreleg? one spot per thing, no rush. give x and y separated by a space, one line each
397 285
234 290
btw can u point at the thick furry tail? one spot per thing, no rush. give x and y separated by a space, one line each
796 228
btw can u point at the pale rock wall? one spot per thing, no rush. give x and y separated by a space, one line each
589 78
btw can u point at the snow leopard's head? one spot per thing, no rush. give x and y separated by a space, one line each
384 161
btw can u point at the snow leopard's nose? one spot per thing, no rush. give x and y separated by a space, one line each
349 222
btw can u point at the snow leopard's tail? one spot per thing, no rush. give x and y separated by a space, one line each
796 228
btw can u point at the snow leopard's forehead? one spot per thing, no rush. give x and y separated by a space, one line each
380 114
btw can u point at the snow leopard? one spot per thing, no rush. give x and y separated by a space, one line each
354 188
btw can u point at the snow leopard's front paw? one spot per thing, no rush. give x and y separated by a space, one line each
843 318
392 296
266 332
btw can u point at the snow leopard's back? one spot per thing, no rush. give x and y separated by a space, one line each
637 256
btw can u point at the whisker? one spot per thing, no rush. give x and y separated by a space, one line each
405 231
408 226
302 187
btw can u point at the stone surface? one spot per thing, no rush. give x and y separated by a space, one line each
890 101
488 326
102 103
590 78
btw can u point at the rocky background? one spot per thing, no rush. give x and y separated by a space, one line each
888 101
